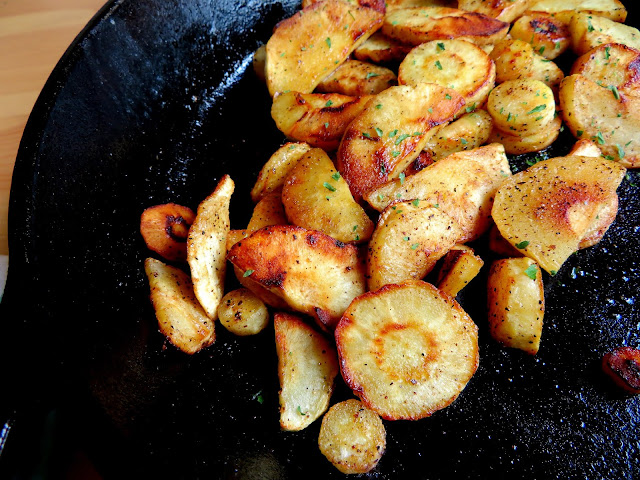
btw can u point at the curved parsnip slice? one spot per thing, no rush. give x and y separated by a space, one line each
316 197
517 144
459 267
275 170
610 118
507 11
378 5
547 35
306 47
456 64
357 78
469 131
180 316
314 273
591 31
612 9
391 131
548 209
379 48
407 350
462 185
307 367
319 119
515 59
417 25
207 246
408 241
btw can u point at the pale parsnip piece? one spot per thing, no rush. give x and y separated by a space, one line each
306 47
609 117
462 185
609 65
521 107
318 119
421 162
505 10
307 367
395 4
207 246
352 437
243 313
407 350
565 9
515 301
456 63
418 25
357 78
585 148
275 171
469 131
378 5
499 246
460 265
516 60
517 144
548 36
164 229
314 273
408 241
548 209
316 197
590 31
379 48
180 316
391 131
259 62
268 211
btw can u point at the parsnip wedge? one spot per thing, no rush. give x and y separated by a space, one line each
358 78
462 185
308 46
548 209
507 11
417 25
456 64
391 131
207 246
591 31
609 117
467 132
379 48
275 170
314 273
548 35
515 144
407 350
316 197
459 267
307 367
408 241
564 10
318 119
180 316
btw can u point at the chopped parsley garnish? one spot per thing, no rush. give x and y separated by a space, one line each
378 131
395 153
329 187
258 397
401 177
470 108
523 244
620 151
447 96
531 272
415 246
329 103
326 124
615 92
438 64
328 40
440 46
579 133
366 134
401 138
537 109
247 273
607 53
379 106
300 411
371 75
393 133
336 176
599 138
416 202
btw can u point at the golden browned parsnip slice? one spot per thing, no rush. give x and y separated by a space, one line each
391 131
395 4
243 313
517 144
590 31
358 78
515 59
314 273
565 9
308 46
547 35
378 5
515 301
164 229
275 171
352 437
418 25
505 10
456 64
407 350
605 115
180 316
585 148
408 241
611 65
307 366
319 119
207 246
469 131
462 185
316 197
548 209
379 48
460 265
268 211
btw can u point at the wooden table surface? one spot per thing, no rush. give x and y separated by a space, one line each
33 36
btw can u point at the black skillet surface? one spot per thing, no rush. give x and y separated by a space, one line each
154 102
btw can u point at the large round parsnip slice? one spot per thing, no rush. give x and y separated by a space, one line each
507 11
352 437
358 78
407 350
565 9
591 31
456 64
547 35
548 209
408 241
609 117
516 59
518 144
522 107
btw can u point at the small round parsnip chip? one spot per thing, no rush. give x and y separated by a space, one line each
352 437
407 350
242 312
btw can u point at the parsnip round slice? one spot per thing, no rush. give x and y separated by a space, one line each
352 437
456 64
521 106
547 35
515 59
358 78
517 144
407 350
469 131
242 312
505 11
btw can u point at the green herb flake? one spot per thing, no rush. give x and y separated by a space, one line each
531 272
589 26
258 397
416 202
415 246
401 177
541 50
329 103
615 92
438 64
355 227
607 52
366 135
328 41
329 187
395 153
417 134
247 273
300 411
447 96
401 138
430 110
336 176
393 133
599 138
440 47
620 151
463 141
537 109
470 108
406 239
378 131
579 133
553 272
523 244
380 197
371 75
378 106
326 124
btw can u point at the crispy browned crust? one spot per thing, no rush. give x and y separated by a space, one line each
623 367
164 229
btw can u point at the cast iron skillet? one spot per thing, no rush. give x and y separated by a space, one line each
154 102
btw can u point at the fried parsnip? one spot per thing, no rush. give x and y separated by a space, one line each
242 312
378 5
275 171
505 10
164 229
623 367
207 246
469 131
180 316
308 46
548 35
585 148
590 31
307 367
379 48
407 350
460 265
516 60
314 273
564 10
358 78
515 144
